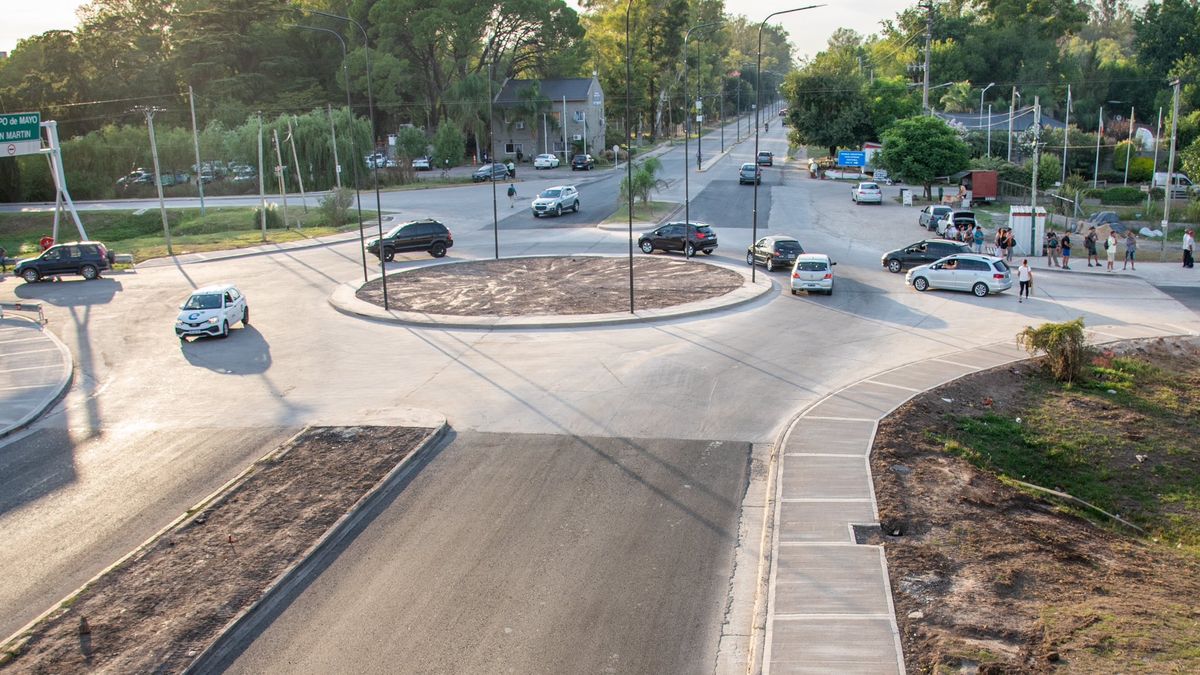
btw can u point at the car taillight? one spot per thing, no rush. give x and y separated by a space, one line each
449 237
700 235
776 254
795 275
997 276
828 275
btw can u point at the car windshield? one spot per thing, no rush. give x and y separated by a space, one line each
203 301
787 245
551 193
811 266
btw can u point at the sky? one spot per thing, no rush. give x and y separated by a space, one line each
808 30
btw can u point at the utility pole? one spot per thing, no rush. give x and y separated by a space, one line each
162 206
1037 137
299 173
1157 142
927 5
989 134
196 145
1099 135
1066 136
1012 111
262 186
279 172
337 166
1166 221
1129 150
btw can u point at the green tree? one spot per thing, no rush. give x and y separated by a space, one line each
1189 159
1165 32
827 108
922 148
890 99
959 98
448 146
645 180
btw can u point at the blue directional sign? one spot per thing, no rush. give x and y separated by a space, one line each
852 158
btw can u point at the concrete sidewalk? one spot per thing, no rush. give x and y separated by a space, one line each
1151 271
830 604
35 370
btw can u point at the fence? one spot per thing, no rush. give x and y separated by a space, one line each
24 307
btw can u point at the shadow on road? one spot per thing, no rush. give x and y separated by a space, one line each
244 352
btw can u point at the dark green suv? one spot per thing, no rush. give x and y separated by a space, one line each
85 258
418 235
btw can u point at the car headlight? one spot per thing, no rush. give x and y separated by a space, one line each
212 320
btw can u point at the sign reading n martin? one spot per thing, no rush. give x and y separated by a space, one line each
20 134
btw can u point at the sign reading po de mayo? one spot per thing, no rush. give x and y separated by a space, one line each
20 134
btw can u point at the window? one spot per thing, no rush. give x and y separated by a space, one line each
973 265
513 148
52 254
579 116
519 125
75 252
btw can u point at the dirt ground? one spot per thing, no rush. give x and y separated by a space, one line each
163 606
552 285
987 578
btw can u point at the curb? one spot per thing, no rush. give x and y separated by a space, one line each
229 641
344 299
230 254
68 376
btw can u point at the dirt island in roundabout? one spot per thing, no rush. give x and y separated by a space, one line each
535 290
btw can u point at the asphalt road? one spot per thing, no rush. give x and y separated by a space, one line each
529 554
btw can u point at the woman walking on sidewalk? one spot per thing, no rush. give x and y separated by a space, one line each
1130 250
1025 277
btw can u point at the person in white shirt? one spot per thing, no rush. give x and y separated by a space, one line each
1025 277
1189 248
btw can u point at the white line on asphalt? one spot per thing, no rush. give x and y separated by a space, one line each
31 351
838 419
822 543
889 384
865 500
811 617
17 370
955 363
824 454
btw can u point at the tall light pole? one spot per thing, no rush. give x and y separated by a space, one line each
1166 221
629 147
687 132
1099 135
1157 142
374 165
981 105
757 119
1129 150
1012 113
1066 136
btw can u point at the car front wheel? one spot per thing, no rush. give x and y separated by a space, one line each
576 207
750 259
558 210
30 276
437 250
388 255
980 289
647 247
224 329
246 316
894 266
770 265
921 284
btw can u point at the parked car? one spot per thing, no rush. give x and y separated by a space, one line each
930 215
921 253
422 164
418 235
211 310
774 252
493 171
979 274
866 193
137 176
765 158
957 220
812 272
556 200
583 163
749 173
670 237
545 162
85 258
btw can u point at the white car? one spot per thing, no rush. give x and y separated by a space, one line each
866 193
812 272
556 200
979 274
211 310
545 162
422 164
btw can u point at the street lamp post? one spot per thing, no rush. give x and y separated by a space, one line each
757 114
981 93
687 132
629 147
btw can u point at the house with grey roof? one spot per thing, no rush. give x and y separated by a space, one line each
1022 119
571 121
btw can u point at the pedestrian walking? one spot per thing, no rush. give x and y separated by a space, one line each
1065 243
1052 250
978 237
1189 249
1010 244
4 259
512 169
1089 243
512 196
1130 249
1110 249
1025 278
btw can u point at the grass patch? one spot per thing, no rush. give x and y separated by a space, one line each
140 233
642 213
1122 438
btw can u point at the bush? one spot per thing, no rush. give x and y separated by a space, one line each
1120 152
273 218
1064 345
335 207
449 145
1141 169
1124 196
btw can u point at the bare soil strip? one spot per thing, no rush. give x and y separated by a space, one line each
567 285
164 605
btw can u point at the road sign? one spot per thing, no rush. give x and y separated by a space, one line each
852 158
20 133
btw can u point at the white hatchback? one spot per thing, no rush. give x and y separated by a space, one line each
211 310
812 272
545 162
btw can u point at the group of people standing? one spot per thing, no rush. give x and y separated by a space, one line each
1058 249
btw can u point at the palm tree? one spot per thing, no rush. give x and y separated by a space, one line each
468 106
959 98
530 106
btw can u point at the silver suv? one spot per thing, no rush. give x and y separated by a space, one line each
979 274
556 200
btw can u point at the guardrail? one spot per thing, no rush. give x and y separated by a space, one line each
24 307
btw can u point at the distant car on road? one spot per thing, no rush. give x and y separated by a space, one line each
978 274
210 311
930 215
583 163
765 158
422 164
866 193
774 252
546 161
85 258
418 235
670 237
921 253
812 272
556 200
749 173
493 171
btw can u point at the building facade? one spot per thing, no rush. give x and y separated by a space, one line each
570 119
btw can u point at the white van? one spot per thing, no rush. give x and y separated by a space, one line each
1181 185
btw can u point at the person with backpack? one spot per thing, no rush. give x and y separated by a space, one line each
512 195
1065 243
1089 243
1052 250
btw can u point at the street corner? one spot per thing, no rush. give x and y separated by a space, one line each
36 369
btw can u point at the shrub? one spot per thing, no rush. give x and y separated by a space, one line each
1120 153
273 217
1141 169
335 207
1125 196
1064 345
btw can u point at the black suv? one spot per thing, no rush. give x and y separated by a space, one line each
669 237
418 235
922 252
85 258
